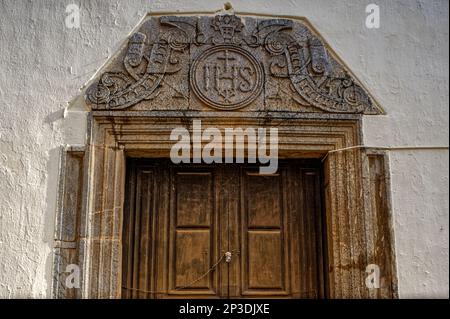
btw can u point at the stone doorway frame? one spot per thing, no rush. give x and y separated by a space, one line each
356 182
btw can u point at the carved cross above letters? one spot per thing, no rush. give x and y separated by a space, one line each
227 62
226 77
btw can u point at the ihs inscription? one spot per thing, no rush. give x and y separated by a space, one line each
226 77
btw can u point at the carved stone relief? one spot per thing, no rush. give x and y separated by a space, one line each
226 77
221 64
227 62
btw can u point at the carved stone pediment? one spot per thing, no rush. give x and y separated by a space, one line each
227 62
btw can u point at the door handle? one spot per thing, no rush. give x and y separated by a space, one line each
228 257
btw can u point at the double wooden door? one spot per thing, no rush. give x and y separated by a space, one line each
222 231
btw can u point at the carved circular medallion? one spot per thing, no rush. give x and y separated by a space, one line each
226 77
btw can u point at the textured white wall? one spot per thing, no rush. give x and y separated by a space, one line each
404 64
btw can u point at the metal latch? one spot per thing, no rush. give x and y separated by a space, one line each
228 257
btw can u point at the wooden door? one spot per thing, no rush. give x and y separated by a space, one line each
222 231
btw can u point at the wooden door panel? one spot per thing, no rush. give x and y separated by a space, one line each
263 200
264 242
194 233
179 221
192 260
266 269
310 233
194 199
139 247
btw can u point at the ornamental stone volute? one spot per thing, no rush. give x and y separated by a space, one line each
227 62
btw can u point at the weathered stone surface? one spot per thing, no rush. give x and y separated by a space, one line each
237 72
349 248
227 62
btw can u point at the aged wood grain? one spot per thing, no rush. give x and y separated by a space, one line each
271 229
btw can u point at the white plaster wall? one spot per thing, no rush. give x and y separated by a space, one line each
404 64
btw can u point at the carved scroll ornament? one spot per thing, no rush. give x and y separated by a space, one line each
226 63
